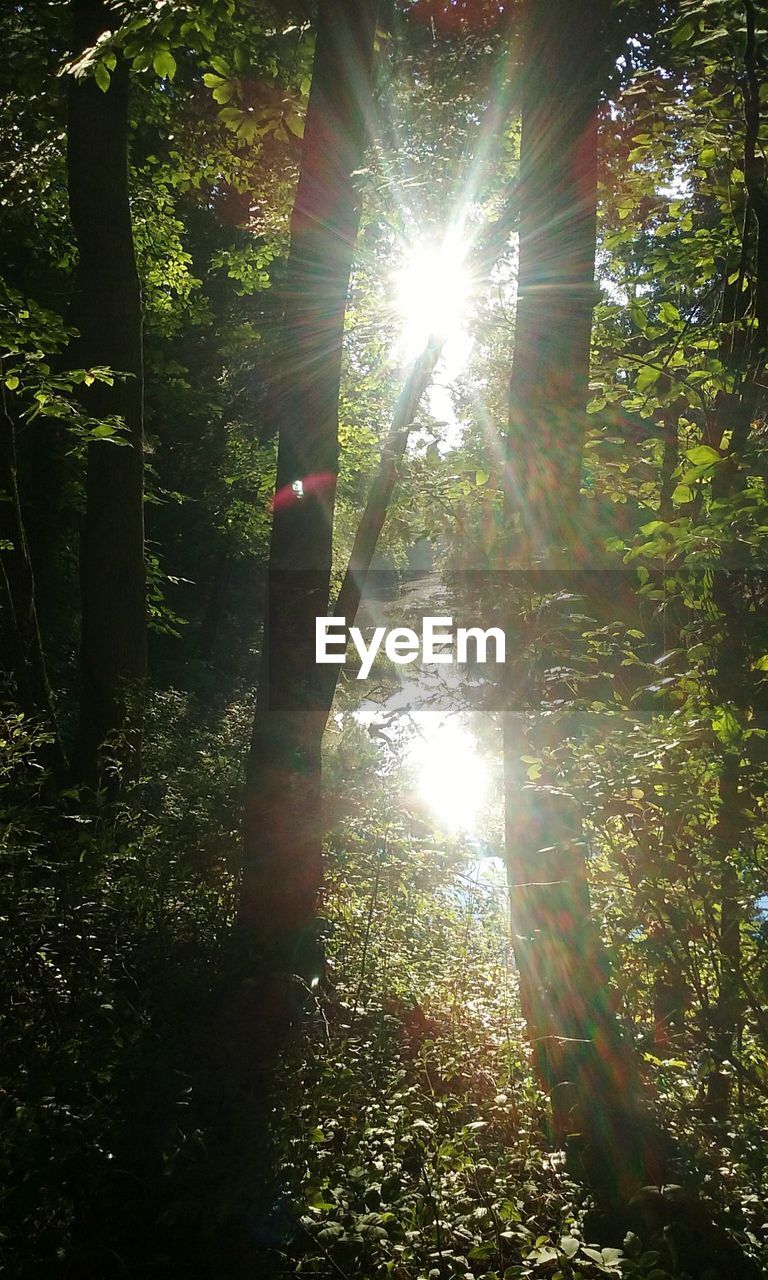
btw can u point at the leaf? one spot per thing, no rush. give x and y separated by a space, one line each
248 129
682 34
570 1246
231 116
682 493
545 1254
702 455
106 431
726 726
646 377
164 63
101 76
639 317
12 382
334 1231
481 478
669 313
317 1200
482 1251
611 1257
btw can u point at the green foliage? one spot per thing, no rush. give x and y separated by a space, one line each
31 339
413 1138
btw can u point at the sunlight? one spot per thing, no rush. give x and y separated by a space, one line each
451 777
432 290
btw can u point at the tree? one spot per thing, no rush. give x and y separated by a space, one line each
19 615
581 1057
282 829
106 309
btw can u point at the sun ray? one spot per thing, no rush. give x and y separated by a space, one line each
432 291
451 777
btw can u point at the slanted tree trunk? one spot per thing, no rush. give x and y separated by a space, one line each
579 1052
107 313
22 645
282 829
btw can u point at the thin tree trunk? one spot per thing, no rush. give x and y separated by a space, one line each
755 175
107 313
282 868
214 606
669 462
20 629
730 833
579 1052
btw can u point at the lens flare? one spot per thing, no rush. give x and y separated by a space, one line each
451 778
432 290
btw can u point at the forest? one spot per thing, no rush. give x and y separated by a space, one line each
384 639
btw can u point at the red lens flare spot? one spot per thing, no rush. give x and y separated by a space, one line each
316 485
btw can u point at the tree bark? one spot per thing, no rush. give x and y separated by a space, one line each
561 62
107 313
755 176
581 1057
214 606
282 867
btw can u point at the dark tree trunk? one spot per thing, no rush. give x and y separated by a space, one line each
107 313
210 622
22 645
283 830
755 175
580 1054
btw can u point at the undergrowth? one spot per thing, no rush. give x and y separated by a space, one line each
412 1137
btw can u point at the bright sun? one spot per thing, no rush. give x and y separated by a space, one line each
451 777
432 291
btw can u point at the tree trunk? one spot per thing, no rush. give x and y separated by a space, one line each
561 62
107 313
214 606
755 175
579 1052
20 630
743 352
282 867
